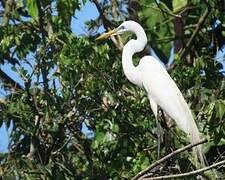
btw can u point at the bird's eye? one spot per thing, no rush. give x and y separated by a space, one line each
122 27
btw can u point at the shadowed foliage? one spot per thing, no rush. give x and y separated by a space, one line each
67 80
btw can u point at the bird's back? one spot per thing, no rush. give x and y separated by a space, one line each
163 90
165 93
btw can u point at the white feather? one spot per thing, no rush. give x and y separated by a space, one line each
161 88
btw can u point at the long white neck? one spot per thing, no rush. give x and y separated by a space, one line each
132 73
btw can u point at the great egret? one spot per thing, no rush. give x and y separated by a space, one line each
160 87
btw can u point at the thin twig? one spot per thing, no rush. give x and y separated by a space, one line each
198 26
168 12
188 173
41 21
64 145
32 151
9 82
188 8
141 173
108 26
106 23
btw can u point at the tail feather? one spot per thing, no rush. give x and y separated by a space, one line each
195 138
192 129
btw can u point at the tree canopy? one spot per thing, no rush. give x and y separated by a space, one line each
70 80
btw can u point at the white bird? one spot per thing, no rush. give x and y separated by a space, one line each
160 87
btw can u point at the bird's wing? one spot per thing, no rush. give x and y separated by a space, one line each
164 92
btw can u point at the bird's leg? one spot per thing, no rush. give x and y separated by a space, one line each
167 123
155 108
158 134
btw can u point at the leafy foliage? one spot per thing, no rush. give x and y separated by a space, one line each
69 80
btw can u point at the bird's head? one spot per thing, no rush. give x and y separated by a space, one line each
124 27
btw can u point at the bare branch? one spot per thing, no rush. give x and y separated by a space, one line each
32 151
108 26
188 173
9 7
9 81
43 63
64 145
199 25
189 146
167 11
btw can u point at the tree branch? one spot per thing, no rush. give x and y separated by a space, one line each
106 23
189 146
32 151
202 19
10 5
167 11
9 81
108 26
64 145
188 173
43 63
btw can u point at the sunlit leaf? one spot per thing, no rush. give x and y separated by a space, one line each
32 8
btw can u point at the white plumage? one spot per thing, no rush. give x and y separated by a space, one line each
162 90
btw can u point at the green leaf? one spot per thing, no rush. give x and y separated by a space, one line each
178 4
115 128
32 8
100 136
217 136
13 68
220 108
209 110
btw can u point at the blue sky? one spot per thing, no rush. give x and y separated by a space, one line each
88 12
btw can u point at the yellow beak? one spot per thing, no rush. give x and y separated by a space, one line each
106 35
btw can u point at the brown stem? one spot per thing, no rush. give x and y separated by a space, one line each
10 5
188 173
108 26
32 151
43 63
9 82
141 173
197 29
166 13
